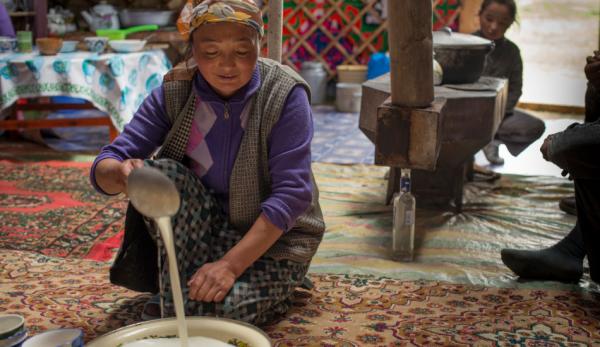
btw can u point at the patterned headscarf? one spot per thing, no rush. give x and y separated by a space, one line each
198 12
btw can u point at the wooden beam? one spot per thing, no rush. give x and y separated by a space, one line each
40 25
411 52
275 33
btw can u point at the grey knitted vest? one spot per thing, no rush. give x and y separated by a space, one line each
250 182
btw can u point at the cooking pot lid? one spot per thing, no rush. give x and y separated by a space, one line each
449 39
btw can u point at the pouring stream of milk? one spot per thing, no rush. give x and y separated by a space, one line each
164 224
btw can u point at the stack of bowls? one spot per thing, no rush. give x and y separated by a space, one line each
12 330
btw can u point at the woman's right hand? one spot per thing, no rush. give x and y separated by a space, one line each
111 174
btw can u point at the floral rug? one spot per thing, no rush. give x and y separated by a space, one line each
341 310
50 208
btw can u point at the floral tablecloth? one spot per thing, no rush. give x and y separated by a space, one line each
115 83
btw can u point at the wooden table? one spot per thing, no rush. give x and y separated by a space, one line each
115 83
470 120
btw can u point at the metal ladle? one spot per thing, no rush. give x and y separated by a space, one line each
154 195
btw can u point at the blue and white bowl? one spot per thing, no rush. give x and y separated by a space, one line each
8 44
96 44
15 340
12 329
56 337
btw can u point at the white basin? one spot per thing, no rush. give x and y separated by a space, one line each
221 329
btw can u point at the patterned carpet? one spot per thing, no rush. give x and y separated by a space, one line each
50 208
341 310
57 235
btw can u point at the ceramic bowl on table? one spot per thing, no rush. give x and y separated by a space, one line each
127 46
69 46
8 44
49 45
96 44
221 329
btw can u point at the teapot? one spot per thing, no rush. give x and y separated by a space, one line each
101 16
60 21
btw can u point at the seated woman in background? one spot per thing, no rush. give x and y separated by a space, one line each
518 129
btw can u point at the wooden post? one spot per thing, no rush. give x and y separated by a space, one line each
275 31
411 51
40 25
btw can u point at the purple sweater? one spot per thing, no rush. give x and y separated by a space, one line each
215 140
6 27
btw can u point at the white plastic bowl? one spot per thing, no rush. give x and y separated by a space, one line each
69 46
127 46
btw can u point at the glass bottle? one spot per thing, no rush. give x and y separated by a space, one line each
403 231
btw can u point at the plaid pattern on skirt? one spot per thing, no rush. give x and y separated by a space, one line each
201 234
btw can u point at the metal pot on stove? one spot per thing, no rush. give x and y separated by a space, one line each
462 56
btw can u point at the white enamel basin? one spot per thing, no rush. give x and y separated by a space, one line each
221 329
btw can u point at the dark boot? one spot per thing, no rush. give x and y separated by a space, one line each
562 262
491 152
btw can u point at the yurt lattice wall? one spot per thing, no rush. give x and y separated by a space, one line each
338 32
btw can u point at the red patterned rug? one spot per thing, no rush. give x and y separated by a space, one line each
51 208
342 310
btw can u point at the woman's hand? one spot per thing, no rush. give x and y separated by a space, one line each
212 281
545 147
111 174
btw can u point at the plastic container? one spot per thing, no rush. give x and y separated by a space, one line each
379 64
347 97
25 41
121 34
352 73
315 75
